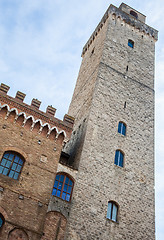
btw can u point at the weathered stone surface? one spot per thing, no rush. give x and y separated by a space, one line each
107 91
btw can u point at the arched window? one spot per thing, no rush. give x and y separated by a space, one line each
11 164
119 158
134 14
63 187
2 221
112 211
131 43
122 128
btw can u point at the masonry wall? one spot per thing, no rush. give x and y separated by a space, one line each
127 96
24 202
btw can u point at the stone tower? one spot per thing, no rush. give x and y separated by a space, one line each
112 145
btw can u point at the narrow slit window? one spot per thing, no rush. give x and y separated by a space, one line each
131 43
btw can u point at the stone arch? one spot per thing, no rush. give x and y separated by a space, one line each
12 115
60 137
21 118
53 134
55 225
28 123
17 234
16 149
4 111
37 126
45 130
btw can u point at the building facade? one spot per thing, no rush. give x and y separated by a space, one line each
97 181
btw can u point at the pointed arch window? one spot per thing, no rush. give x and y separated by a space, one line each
122 128
119 158
11 164
63 186
112 211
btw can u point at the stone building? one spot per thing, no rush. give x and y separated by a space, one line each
90 176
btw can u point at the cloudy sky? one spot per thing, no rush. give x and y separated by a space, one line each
40 48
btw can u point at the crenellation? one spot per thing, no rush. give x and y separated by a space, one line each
20 96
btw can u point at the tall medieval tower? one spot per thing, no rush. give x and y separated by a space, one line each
112 145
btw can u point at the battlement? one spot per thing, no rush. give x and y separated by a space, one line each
129 16
31 114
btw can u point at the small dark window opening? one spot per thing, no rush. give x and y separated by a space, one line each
127 68
124 105
130 43
134 14
2 221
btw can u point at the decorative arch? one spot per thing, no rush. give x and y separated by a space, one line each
37 126
21 119
12 114
53 133
18 233
56 229
28 123
4 110
45 129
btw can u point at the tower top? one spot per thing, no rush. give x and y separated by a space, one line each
127 14
132 12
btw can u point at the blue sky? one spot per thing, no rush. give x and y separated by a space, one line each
40 48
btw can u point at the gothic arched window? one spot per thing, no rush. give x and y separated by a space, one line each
112 211
119 158
63 186
11 164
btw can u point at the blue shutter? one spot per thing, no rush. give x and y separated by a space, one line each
124 130
119 127
114 213
116 157
121 159
109 211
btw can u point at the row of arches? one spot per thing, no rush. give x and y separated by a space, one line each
29 123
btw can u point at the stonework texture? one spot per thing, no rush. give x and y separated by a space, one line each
121 88
115 83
